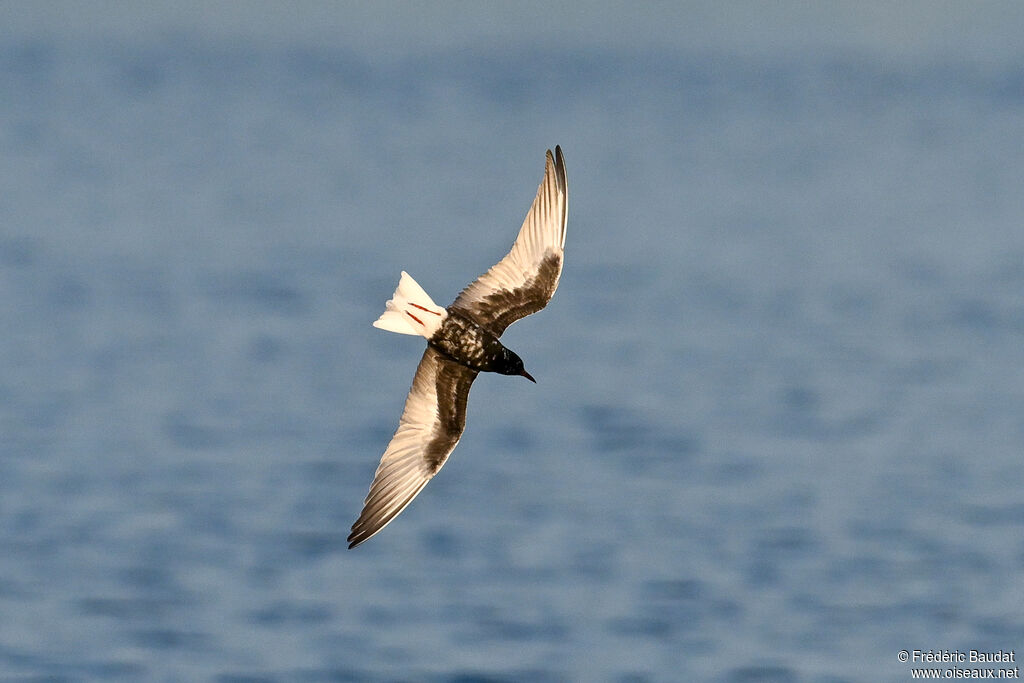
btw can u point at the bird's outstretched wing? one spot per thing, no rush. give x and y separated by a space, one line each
524 281
431 426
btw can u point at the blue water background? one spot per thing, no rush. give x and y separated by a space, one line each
778 428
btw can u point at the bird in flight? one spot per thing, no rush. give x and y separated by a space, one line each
462 341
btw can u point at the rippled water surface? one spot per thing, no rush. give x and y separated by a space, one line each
778 428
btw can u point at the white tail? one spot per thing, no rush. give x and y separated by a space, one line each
411 311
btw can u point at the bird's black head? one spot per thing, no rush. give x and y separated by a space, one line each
511 364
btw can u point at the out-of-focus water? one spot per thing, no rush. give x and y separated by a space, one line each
778 428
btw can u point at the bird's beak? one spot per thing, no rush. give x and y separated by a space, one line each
527 375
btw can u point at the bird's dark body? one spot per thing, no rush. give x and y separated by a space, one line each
462 340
